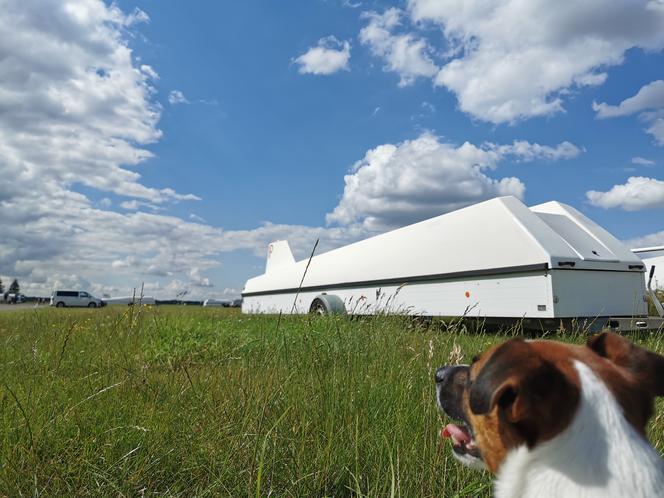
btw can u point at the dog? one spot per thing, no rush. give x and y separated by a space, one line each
557 420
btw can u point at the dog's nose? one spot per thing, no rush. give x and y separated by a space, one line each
442 373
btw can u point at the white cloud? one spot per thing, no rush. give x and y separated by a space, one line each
404 54
176 97
511 60
398 184
642 161
428 107
650 96
525 151
638 193
135 205
351 4
649 240
77 108
74 107
197 218
197 279
148 71
329 56
649 101
136 17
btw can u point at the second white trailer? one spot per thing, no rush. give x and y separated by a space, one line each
497 258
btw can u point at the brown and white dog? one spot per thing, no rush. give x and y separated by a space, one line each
558 420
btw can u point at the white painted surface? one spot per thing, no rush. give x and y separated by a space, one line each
598 293
506 296
499 233
584 235
579 293
278 254
658 279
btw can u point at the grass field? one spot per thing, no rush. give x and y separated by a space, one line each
207 402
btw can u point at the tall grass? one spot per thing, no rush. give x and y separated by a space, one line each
207 402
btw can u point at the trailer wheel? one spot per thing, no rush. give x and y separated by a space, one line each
318 308
327 304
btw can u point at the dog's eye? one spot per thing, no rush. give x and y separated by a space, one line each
475 358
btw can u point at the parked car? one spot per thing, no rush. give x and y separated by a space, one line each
14 298
62 298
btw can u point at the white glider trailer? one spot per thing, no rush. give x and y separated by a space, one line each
497 260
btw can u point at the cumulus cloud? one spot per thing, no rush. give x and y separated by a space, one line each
642 161
398 184
649 240
638 193
197 218
327 57
176 97
525 151
148 71
77 108
511 60
648 101
405 54
650 96
197 279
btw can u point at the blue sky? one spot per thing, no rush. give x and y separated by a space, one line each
237 140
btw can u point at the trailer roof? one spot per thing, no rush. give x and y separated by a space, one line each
498 235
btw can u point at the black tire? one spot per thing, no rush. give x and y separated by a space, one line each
327 304
318 308
92 305
60 304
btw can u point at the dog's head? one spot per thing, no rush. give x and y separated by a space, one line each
526 392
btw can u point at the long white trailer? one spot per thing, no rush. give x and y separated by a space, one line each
497 258
656 262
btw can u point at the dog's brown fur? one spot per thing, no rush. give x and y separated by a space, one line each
526 392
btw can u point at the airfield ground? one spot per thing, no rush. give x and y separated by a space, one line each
189 401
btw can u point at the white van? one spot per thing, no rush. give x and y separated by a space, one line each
62 298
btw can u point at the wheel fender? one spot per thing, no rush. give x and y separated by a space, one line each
333 304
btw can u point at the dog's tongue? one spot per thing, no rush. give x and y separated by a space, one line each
458 433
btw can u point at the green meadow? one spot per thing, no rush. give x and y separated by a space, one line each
190 401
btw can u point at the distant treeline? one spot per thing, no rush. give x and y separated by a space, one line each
37 299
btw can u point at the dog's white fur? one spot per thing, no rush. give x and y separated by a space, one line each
600 455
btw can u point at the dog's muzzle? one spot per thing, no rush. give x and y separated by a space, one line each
451 381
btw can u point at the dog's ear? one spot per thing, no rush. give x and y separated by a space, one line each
499 381
529 392
647 366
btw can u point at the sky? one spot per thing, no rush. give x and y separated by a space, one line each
166 143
